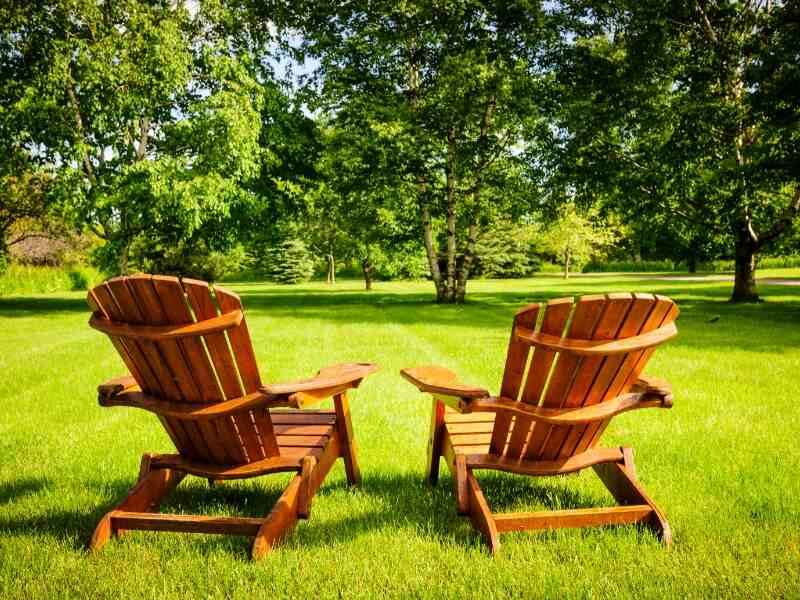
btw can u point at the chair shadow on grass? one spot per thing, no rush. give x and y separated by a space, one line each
397 501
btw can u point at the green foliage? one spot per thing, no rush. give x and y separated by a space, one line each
507 250
148 115
576 236
190 259
290 261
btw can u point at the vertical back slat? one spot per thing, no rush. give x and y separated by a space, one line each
176 310
199 296
664 311
554 319
516 359
614 312
203 434
588 310
579 437
162 382
243 353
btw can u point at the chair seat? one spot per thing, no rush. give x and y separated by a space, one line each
469 433
302 432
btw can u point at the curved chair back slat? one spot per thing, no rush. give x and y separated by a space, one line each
184 342
562 355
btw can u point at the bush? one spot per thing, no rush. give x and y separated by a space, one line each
288 262
629 266
506 251
78 280
191 260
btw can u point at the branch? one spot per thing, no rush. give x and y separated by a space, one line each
709 30
784 221
144 125
26 236
73 98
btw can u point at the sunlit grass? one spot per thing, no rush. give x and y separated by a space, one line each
721 463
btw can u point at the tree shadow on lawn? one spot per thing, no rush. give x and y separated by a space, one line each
11 491
31 306
400 500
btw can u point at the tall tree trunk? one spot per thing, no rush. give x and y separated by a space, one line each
744 283
366 267
430 247
567 256
466 263
450 184
331 276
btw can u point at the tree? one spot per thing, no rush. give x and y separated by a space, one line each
689 110
576 236
148 117
453 83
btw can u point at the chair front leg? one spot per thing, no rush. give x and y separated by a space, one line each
435 440
344 428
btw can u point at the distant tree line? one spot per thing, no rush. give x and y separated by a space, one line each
440 139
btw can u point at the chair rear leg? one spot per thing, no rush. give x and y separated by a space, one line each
153 486
620 480
344 427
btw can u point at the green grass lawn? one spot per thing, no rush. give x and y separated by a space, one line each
722 463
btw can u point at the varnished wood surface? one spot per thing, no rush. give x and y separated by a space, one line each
571 366
191 362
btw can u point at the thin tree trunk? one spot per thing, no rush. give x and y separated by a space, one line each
430 248
122 260
466 263
330 278
744 284
366 267
567 256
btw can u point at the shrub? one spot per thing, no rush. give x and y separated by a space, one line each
506 251
623 266
192 260
288 262
78 280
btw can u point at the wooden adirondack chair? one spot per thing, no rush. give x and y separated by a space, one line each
585 367
191 362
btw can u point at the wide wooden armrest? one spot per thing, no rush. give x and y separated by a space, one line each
597 347
655 387
568 416
166 332
328 382
439 381
112 387
135 398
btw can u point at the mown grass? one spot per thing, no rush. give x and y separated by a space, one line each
721 463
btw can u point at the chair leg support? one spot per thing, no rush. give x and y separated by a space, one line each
460 480
480 515
435 443
153 486
344 427
620 479
279 521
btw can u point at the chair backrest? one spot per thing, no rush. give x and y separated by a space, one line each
209 368
544 376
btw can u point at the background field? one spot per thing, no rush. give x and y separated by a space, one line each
722 463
